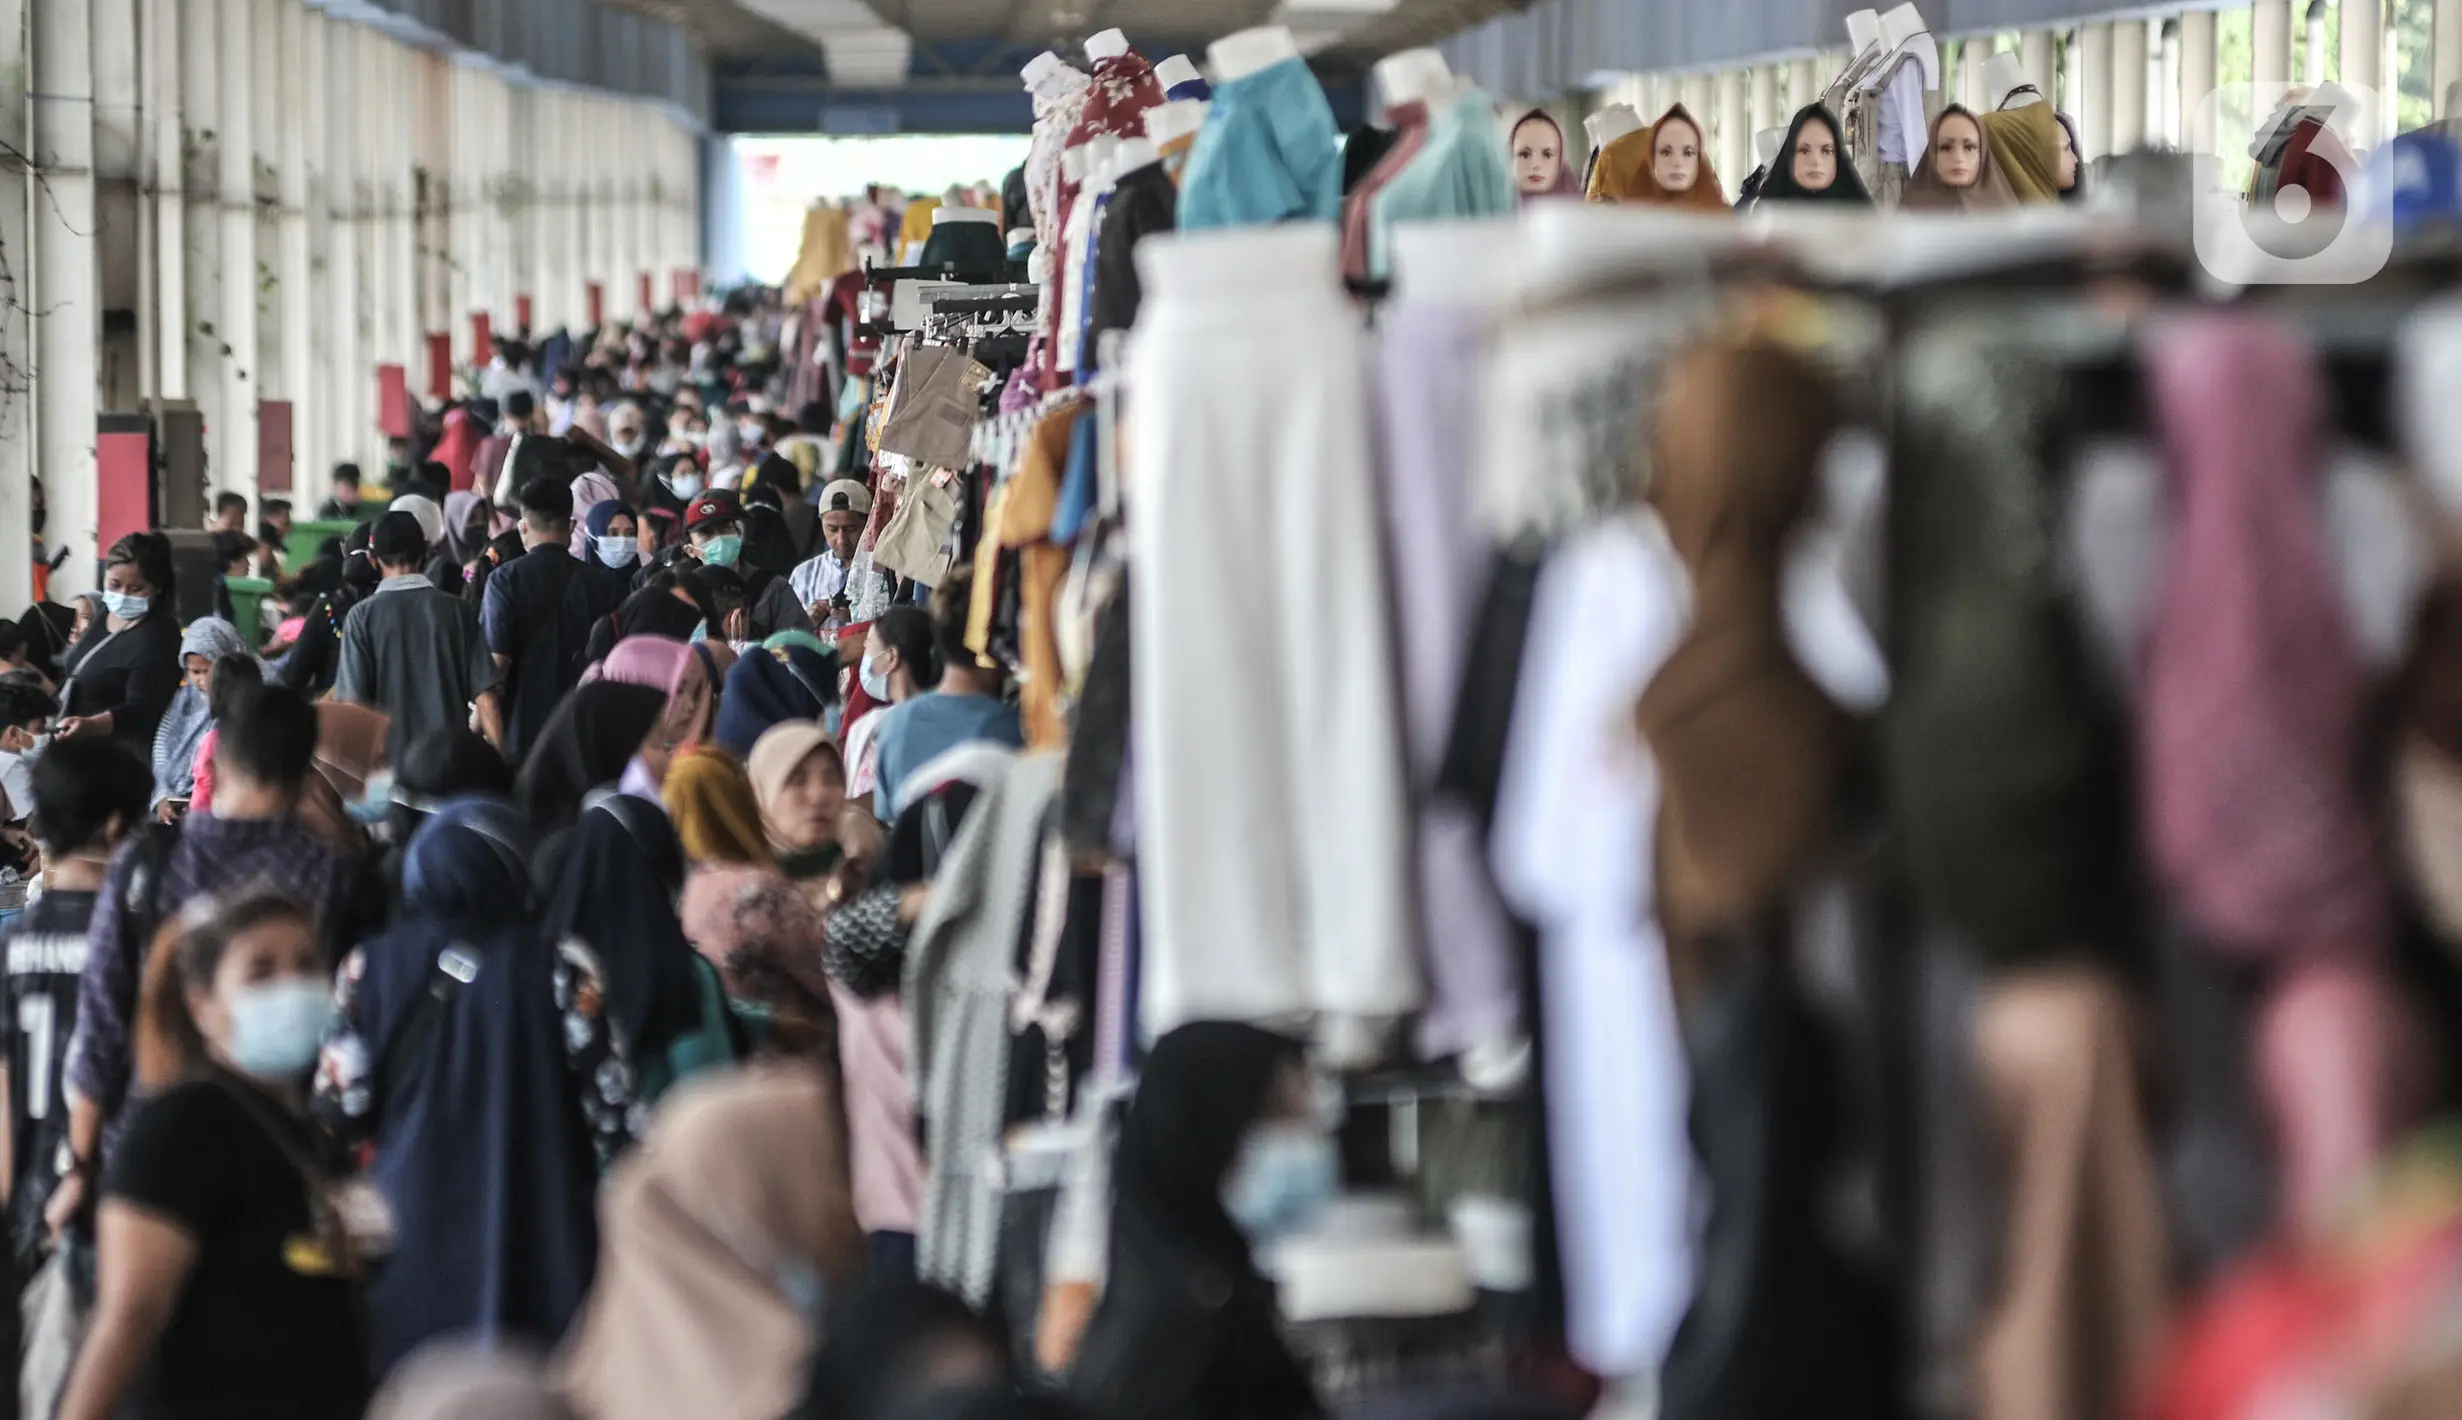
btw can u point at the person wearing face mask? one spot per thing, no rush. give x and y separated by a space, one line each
665 497
820 583
1664 165
316 656
611 539
228 1283
723 1241
962 705
85 799
264 755
491 1110
1218 1155
628 430
1812 164
897 665
190 718
714 533
27 708
123 672
537 614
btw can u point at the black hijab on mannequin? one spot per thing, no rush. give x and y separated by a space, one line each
1845 190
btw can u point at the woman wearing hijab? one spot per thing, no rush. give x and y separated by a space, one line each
190 717
1664 165
316 657
1812 164
1217 1155
491 1104
781 681
663 608
1539 168
586 745
438 767
589 490
682 671
800 782
722 1240
611 535
467 520
1959 173
620 875
716 817
463 433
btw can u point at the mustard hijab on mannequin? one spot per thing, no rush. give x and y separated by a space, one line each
1629 169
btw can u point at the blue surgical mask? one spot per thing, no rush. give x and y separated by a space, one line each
700 632
722 550
618 551
1284 1176
804 1287
875 681
127 606
278 1026
375 799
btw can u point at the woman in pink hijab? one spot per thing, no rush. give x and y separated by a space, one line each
1540 163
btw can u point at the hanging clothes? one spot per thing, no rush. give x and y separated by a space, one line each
1269 776
1409 131
1142 204
1269 152
1450 279
1458 172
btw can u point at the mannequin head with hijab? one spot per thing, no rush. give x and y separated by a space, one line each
1811 165
1957 149
1538 156
1675 154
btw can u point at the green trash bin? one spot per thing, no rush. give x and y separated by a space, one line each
306 538
248 596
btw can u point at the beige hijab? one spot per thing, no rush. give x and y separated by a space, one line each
740 1182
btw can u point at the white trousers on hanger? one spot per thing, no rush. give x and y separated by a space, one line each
1272 834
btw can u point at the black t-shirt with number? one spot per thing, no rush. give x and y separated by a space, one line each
46 953
267 1327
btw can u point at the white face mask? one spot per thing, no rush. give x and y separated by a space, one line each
127 606
618 551
686 485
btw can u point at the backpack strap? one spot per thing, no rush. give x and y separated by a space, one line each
456 967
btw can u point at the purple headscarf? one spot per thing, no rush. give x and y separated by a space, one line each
1568 177
589 490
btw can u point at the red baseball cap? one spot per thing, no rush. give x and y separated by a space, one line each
719 505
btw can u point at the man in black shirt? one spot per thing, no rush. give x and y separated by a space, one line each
537 613
87 795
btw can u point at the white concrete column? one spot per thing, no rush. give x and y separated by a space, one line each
2363 60
123 225
2446 59
235 459
297 280
1972 51
18 461
67 294
201 140
1802 82
351 368
1769 108
2036 59
1700 99
408 119
2312 55
1731 129
2128 86
2270 41
2094 54
2200 62
159 59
